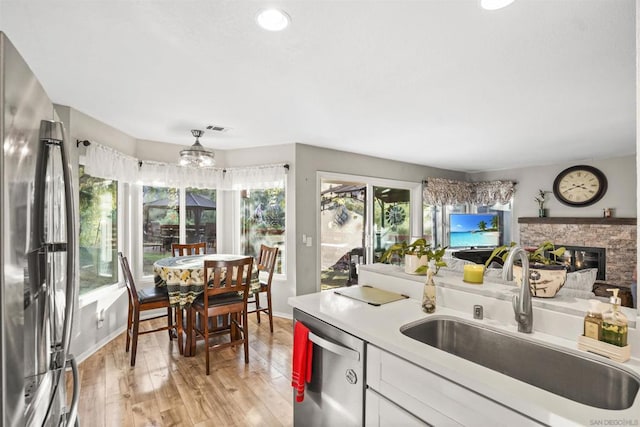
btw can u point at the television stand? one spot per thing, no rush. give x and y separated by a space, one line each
479 256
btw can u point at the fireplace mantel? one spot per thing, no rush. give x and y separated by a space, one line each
577 220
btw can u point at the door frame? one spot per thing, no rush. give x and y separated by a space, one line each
415 214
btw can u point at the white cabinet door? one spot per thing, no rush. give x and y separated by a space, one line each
381 412
432 398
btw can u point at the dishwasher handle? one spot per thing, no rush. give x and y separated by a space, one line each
334 348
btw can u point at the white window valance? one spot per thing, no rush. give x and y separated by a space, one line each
441 191
255 178
170 175
105 162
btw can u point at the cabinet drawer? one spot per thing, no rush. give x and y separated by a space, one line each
381 412
433 398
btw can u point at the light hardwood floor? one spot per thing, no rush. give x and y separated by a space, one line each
166 389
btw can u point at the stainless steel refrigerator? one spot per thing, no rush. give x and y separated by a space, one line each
38 287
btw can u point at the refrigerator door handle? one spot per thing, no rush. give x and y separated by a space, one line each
71 291
72 417
53 133
334 348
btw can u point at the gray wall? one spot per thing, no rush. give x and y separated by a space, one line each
302 212
309 160
87 337
621 193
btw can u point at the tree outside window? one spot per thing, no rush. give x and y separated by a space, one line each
263 222
98 237
161 224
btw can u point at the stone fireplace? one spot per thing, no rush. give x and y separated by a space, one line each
616 236
581 257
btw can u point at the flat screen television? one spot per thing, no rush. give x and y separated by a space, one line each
473 230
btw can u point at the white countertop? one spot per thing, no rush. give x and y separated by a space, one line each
380 325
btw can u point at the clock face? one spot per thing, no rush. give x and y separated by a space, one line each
580 185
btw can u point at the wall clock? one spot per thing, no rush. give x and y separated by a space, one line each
580 185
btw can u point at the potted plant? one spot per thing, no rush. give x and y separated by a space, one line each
547 271
416 255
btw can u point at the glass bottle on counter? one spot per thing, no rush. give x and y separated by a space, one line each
593 321
614 322
429 292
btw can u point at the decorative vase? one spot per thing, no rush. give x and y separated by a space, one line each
542 212
412 263
544 280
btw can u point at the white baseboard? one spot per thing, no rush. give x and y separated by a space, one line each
97 346
284 315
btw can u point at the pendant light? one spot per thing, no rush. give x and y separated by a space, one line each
197 155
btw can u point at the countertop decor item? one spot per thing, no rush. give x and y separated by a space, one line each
580 185
473 274
610 351
416 255
546 253
547 271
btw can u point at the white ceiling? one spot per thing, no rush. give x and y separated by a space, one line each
434 82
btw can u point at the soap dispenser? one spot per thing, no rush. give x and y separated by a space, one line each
614 322
593 321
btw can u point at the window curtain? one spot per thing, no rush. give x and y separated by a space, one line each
170 175
441 191
492 192
256 177
105 162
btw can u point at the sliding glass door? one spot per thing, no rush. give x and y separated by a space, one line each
359 218
342 231
391 217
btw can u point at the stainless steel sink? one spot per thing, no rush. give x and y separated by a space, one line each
571 375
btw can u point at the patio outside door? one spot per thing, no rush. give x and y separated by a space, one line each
342 231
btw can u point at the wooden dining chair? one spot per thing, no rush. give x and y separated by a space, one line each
184 249
225 294
141 300
266 265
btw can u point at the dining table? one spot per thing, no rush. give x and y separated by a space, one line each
184 278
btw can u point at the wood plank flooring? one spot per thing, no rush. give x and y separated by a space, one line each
167 389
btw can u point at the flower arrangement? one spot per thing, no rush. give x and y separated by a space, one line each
541 198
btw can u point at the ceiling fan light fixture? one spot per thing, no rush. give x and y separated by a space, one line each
197 155
273 19
495 4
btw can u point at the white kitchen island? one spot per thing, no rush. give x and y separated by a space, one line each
454 386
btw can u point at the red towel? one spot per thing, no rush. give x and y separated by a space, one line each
302 355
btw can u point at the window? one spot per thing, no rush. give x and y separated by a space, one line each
160 224
98 232
200 208
391 217
161 221
263 222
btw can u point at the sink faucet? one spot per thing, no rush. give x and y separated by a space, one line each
521 303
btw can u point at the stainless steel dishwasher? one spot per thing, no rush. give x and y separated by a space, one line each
335 395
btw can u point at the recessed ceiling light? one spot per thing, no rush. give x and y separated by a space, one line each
273 19
495 4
